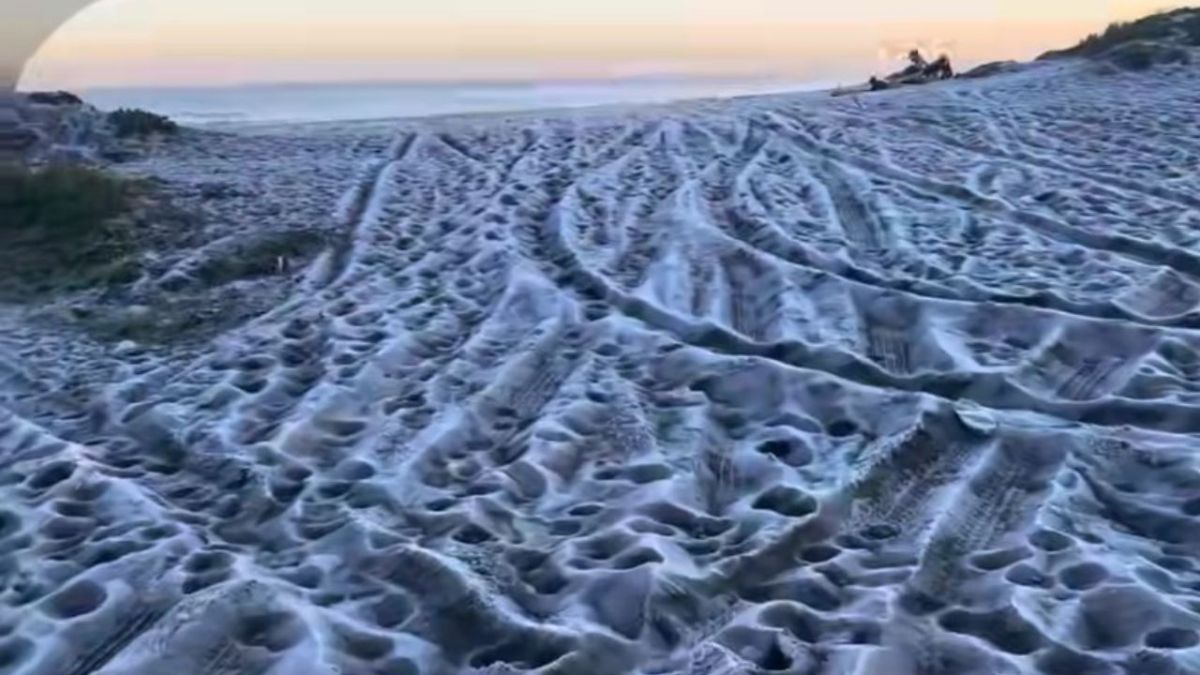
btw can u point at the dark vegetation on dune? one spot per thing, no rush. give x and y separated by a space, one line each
261 255
1158 38
55 98
64 226
219 290
1144 55
133 122
103 243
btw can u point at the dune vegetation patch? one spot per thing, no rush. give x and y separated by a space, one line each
260 255
133 122
1180 28
129 261
65 227
1144 55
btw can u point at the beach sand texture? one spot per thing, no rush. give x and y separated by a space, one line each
902 384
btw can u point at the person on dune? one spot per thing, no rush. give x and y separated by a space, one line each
916 66
919 71
939 69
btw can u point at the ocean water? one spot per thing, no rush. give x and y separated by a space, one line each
336 102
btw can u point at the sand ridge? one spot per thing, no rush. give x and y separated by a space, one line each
896 385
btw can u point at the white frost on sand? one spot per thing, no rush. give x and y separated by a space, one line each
902 385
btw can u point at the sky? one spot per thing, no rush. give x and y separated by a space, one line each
221 42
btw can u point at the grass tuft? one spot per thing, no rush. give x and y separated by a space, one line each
62 226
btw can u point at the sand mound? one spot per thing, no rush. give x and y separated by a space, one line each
902 386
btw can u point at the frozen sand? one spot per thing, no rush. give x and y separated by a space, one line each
907 384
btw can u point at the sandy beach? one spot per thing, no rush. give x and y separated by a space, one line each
904 383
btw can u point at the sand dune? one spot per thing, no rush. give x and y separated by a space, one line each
898 385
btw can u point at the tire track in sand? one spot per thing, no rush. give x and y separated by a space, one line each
1138 250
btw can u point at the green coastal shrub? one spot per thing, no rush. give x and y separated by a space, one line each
62 225
131 122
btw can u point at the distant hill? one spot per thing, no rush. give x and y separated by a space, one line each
1175 29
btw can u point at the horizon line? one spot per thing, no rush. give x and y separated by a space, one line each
503 81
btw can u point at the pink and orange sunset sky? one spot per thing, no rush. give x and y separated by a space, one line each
203 42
